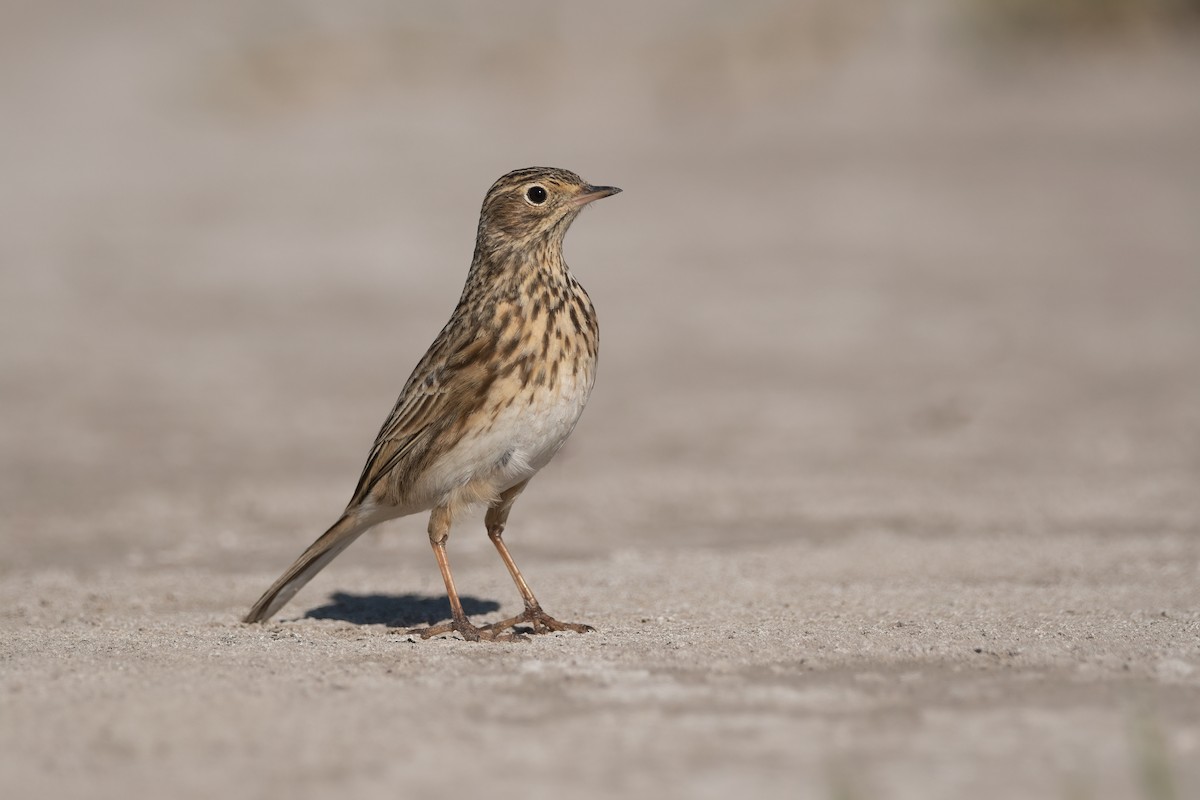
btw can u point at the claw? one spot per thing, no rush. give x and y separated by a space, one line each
540 621
467 631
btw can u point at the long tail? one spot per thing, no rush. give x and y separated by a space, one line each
311 561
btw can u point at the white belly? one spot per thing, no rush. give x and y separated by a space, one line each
499 453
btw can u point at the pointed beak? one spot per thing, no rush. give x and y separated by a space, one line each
591 193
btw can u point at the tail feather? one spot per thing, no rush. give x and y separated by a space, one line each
326 548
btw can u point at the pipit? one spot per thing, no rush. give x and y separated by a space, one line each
491 402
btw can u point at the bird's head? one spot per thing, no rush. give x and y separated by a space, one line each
535 204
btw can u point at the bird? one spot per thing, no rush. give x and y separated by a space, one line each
489 404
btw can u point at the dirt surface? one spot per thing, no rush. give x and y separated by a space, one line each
888 488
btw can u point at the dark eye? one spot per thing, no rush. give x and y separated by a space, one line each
536 195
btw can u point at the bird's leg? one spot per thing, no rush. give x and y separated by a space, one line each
439 532
497 516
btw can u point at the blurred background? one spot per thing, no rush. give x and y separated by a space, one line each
927 265
890 471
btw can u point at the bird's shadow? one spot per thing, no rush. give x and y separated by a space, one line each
396 610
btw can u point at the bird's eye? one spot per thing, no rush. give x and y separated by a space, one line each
535 194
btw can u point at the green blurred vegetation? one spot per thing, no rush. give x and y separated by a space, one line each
1057 21
1152 757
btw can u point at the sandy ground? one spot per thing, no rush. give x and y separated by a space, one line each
888 487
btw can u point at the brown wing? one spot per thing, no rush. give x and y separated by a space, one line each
448 384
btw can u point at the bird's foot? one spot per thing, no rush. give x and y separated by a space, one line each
540 621
467 631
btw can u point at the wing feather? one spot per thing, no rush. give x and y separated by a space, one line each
446 386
